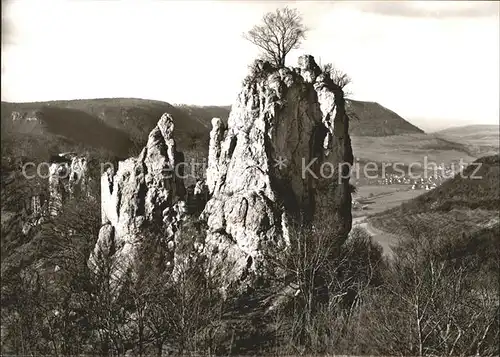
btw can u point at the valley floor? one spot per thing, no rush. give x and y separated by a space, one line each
378 198
375 199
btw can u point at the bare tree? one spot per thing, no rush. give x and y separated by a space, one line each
280 32
338 76
343 80
325 276
437 299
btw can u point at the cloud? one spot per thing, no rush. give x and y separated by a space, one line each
431 9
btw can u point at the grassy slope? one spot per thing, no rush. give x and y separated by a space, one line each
463 203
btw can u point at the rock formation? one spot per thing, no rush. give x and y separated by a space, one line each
284 153
68 174
33 213
283 156
142 195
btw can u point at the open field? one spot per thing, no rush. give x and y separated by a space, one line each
369 191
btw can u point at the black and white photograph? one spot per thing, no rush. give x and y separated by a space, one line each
250 178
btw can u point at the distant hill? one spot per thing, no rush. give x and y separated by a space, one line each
481 139
366 119
465 203
204 114
119 125
474 131
373 119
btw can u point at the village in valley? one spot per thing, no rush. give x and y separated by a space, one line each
370 190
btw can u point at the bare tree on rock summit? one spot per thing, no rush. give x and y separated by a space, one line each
279 33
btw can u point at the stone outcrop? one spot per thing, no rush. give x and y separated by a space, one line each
284 153
143 196
68 175
28 122
26 117
33 213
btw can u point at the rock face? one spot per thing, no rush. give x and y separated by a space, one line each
285 152
68 174
144 194
33 213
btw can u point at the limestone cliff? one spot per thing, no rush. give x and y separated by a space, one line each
143 194
279 157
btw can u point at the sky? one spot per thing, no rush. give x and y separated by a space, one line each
434 63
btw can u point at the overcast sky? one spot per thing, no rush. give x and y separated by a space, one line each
434 63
